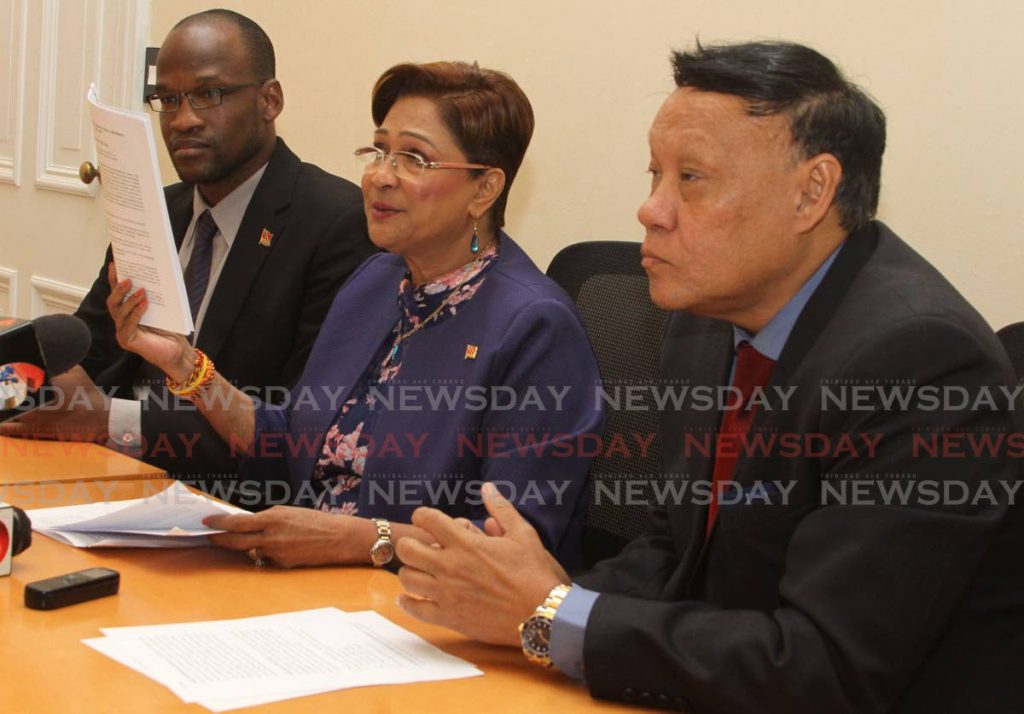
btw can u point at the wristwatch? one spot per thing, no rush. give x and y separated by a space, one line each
535 631
383 551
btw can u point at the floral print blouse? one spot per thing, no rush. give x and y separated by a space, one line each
339 470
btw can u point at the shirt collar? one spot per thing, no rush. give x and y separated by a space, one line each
228 213
773 336
419 302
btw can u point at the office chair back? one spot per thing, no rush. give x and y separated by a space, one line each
605 280
1012 337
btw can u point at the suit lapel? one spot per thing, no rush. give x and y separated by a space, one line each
179 208
853 256
696 353
342 353
808 328
245 259
814 318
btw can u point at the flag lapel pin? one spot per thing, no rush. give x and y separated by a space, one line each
471 351
266 238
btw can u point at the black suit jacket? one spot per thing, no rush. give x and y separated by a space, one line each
831 601
264 314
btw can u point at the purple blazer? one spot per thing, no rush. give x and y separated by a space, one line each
503 391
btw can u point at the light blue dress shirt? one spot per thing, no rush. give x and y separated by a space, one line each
570 623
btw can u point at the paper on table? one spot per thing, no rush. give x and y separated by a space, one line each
119 651
137 219
120 540
169 519
233 663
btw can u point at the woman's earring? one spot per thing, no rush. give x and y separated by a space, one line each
474 245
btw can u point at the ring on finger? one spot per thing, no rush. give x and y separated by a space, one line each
254 556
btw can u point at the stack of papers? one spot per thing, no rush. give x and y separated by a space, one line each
138 224
227 664
169 519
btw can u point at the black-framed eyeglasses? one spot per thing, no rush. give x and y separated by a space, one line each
204 98
405 163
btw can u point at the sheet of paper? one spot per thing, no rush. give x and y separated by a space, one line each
137 219
169 519
120 540
228 664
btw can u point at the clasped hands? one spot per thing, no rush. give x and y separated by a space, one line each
482 584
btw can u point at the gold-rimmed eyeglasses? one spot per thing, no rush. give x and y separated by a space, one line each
406 164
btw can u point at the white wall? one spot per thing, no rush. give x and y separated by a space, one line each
52 230
947 74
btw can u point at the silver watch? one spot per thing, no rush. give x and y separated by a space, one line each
383 551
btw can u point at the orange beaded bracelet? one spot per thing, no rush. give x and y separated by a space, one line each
202 374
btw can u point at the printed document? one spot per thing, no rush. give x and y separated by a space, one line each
228 664
169 519
137 219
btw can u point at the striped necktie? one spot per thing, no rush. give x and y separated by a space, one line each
197 274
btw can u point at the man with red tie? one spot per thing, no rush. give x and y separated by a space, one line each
849 557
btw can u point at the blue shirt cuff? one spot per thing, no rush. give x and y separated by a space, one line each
568 629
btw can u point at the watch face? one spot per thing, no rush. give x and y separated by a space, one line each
383 552
536 635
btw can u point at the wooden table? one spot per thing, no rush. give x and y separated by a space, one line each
39 473
47 669
45 461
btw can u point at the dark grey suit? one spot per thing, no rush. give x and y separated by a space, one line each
831 602
265 311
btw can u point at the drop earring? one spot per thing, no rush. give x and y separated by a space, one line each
474 244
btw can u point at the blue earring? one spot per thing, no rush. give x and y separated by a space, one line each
474 245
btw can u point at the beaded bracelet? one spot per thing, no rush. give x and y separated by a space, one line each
197 364
202 374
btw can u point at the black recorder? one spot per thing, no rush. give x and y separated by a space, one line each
72 588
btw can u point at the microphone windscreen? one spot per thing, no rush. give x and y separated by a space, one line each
64 341
22 536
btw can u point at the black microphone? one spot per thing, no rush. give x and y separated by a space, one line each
64 341
31 353
15 535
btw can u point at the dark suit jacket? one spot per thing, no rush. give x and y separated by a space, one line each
530 340
266 309
831 602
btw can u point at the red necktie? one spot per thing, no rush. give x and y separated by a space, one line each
753 369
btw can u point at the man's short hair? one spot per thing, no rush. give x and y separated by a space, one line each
258 46
827 113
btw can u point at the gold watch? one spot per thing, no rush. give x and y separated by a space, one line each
535 631
383 551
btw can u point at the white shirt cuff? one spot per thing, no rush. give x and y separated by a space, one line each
125 426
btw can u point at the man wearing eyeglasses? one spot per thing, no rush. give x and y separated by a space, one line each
264 240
